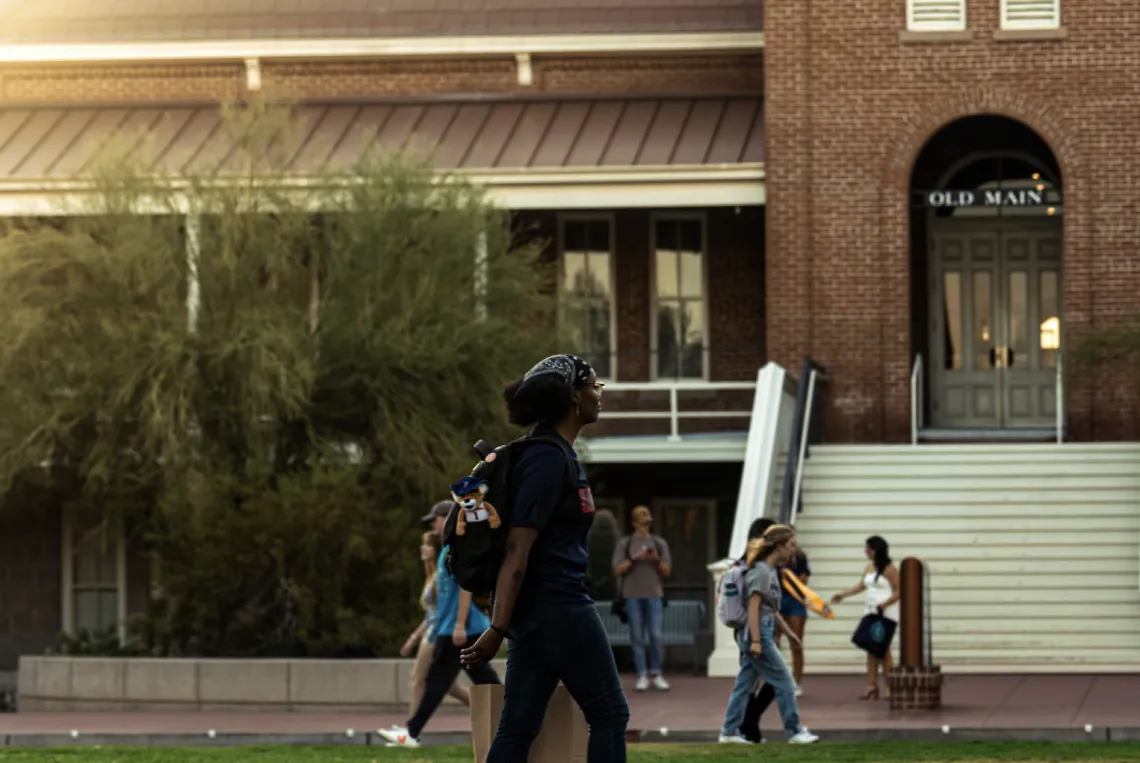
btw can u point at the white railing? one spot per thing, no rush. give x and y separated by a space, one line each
916 399
674 414
805 430
773 414
1059 392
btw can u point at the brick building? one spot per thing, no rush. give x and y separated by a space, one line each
868 109
932 198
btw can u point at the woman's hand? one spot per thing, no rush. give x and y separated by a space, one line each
754 649
483 650
459 635
406 649
793 639
836 598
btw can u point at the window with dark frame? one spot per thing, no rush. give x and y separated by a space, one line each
586 292
94 580
679 299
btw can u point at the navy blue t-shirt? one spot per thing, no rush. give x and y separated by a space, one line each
562 512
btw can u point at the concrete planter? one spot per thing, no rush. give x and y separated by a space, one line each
59 684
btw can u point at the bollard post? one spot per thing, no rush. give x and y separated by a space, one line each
913 611
916 684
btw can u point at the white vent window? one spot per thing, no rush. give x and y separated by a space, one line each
1030 14
936 15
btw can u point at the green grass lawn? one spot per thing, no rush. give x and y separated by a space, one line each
890 752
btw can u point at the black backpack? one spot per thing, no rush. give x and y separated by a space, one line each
474 558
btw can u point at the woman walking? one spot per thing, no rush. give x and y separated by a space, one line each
763 696
795 615
758 640
423 639
881 582
541 603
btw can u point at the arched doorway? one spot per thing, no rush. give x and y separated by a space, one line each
987 256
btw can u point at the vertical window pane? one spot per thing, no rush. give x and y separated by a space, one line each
667 274
86 610
952 315
573 272
689 236
1019 318
574 236
108 609
693 325
108 567
1050 328
585 298
666 235
597 236
599 267
85 569
668 341
680 294
692 277
982 321
599 340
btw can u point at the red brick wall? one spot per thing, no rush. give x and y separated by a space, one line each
849 105
413 77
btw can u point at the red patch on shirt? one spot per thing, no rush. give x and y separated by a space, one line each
586 500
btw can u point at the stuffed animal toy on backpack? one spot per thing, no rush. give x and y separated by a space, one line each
470 494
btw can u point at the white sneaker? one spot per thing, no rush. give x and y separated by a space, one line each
660 684
732 739
799 690
642 684
803 737
398 736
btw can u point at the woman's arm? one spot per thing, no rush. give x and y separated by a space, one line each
754 624
520 540
891 573
459 635
410 644
857 588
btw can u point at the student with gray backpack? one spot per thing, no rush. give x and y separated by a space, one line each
749 602
763 695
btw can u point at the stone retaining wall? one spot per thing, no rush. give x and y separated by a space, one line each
59 684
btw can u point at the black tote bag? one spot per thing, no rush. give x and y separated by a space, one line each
874 634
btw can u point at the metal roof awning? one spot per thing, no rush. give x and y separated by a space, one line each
549 153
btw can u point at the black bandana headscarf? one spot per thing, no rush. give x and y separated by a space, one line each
571 370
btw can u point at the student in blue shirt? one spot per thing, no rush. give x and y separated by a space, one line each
458 623
541 601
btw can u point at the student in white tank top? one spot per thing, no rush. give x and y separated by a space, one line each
881 582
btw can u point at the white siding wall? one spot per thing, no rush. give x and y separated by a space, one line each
1033 550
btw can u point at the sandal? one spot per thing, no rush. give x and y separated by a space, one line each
872 692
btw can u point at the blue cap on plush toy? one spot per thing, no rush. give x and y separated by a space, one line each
466 485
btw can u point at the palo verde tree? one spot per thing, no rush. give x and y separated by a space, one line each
265 380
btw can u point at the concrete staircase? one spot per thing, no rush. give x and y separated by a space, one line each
1033 550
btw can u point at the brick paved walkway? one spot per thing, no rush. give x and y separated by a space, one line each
996 703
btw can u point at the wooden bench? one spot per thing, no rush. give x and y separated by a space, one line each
679 626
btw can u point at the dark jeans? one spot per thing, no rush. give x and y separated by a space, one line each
442 672
757 704
567 644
